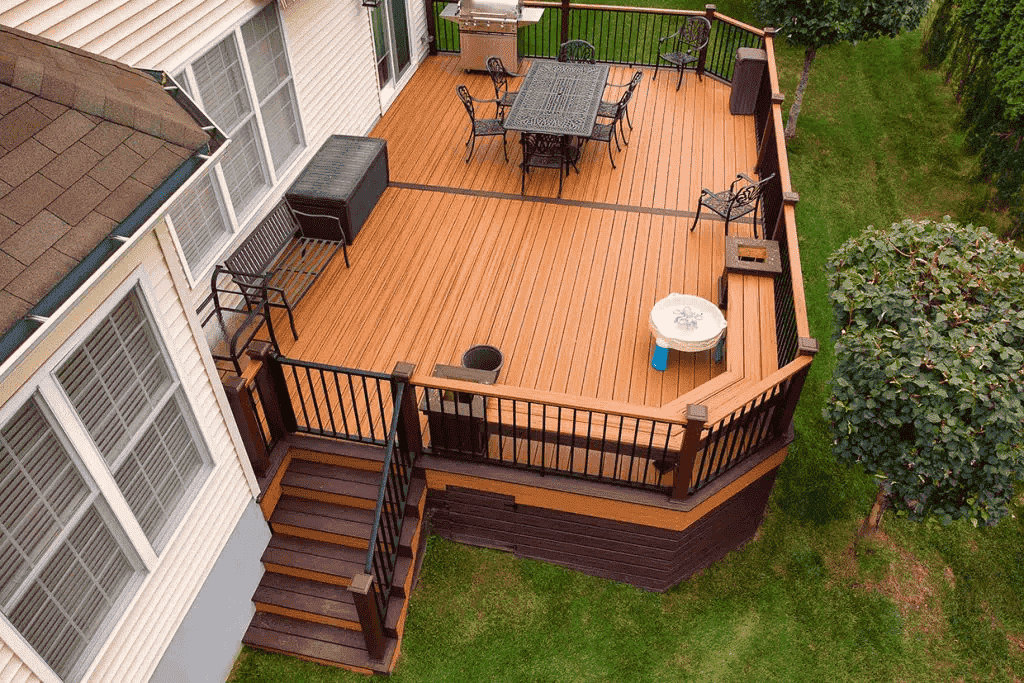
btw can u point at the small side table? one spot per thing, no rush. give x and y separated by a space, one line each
686 323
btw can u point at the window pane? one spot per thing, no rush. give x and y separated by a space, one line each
282 125
199 222
222 85
242 164
111 378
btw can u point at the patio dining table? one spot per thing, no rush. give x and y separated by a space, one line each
558 98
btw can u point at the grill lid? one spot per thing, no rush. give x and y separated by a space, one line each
490 9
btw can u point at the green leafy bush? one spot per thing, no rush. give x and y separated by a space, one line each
928 386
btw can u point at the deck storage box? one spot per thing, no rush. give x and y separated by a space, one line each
345 178
746 79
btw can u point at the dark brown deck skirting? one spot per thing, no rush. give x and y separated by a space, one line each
627 208
648 557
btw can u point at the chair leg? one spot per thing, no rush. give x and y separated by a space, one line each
504 146
680 83
610 151
726 226
471 142
697 217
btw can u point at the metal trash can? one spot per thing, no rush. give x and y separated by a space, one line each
746 79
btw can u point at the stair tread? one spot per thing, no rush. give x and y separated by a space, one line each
325 558
297 594
323 517
340 487
330 510
325 643
329 471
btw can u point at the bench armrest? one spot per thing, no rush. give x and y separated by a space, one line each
304 214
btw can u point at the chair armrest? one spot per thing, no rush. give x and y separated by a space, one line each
662 40
747 178
495 101
319 215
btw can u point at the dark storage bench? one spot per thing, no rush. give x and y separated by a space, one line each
345 178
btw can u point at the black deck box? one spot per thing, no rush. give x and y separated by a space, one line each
345 178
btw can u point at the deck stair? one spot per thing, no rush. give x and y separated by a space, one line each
321 518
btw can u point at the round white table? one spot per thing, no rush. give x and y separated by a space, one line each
686 323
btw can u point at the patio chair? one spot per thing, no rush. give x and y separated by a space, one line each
734 202
609 110
683 47
541 150
480 127
604 132
500 77
578 51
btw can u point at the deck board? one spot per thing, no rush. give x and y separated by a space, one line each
454 255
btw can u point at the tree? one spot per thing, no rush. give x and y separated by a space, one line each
928 385
816 24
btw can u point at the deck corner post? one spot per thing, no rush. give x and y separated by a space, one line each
361 589
784 415
710 11
696 418
565 21
270 382
409 435
248 424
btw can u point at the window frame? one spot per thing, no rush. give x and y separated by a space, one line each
184 75
56 406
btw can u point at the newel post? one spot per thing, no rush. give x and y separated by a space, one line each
565 21
709 11
431 28
696 418
806 346
361 589
248 424
277 404
409 435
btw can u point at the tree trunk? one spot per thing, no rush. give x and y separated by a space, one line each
798 96
874 519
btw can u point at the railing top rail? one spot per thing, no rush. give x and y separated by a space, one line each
334 368
566 401
751 392
618 8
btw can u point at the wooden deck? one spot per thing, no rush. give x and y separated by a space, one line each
454 256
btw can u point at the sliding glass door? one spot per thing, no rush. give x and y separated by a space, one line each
391 46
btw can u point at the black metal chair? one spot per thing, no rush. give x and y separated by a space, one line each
734 202
500 77
480 127
604 132
542 150
578 51
683 47
609 110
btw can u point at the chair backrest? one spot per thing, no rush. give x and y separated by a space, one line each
579 51
693 35
467 100
542 150
635 81
749 193
499 76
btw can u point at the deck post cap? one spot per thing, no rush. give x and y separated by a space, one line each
361 583
696 412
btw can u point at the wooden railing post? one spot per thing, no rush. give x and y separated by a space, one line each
248 424
696 417
431 28
373 630
277 404
709 11
565 21
410 438
784 416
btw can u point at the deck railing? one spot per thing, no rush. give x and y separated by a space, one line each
622 35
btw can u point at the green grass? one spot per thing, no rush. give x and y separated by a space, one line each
876 142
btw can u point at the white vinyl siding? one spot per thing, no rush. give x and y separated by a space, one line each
62 568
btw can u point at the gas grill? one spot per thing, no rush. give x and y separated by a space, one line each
488 28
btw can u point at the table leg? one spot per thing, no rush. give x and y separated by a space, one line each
659 359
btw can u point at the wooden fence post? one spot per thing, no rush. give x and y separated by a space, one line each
409 435
565 21
373 630
248 424
696 417
784 416
709 11
277 404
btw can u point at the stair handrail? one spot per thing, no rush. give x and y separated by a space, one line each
396 477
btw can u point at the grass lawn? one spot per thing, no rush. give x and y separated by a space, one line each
876 142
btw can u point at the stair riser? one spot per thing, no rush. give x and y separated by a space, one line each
313 534
350 501
308 616
336 665
306 574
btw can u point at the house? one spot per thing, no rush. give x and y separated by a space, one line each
290 508
117 197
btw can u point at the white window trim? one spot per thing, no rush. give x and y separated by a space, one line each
57 408
236 224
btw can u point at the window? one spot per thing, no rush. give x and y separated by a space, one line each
66 560
244 84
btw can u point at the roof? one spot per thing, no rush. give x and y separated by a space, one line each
84 140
